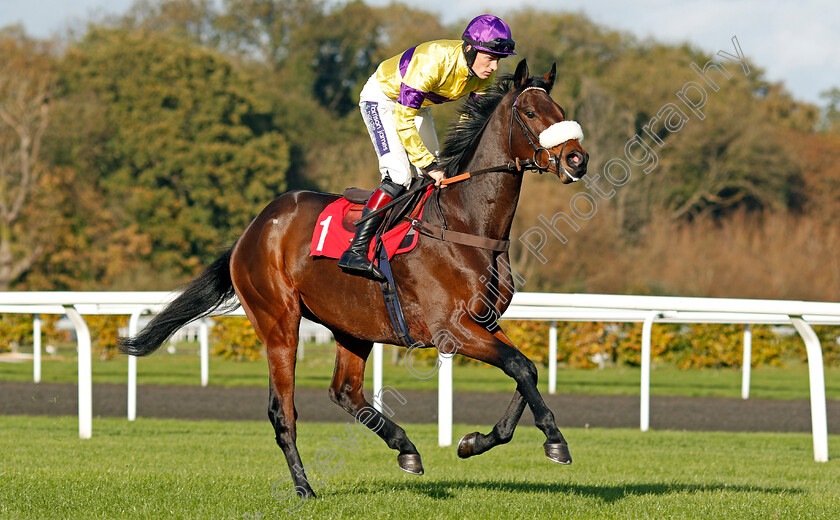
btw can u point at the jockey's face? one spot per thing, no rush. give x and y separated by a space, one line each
485 64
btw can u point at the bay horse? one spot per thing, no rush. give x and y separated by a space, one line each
443 285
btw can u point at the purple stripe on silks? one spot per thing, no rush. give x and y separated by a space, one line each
405 59
413 98
437 98
377 131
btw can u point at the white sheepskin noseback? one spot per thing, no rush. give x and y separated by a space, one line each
561 132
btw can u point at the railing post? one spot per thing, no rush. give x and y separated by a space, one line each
85 382
644 411
552 358
445 398
204 350
36 348
747 368
377 376
133 329
819 421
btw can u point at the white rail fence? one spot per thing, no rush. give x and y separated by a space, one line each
525 306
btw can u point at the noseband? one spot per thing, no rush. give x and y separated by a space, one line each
539 151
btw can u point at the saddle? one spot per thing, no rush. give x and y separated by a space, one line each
397 235
410 208
357 195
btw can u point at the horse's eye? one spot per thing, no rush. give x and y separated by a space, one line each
530 114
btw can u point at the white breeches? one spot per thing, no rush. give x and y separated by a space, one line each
378 113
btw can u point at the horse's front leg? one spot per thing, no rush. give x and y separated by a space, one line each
497 350
477 443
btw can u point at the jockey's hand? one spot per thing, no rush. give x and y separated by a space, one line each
434 171
438 176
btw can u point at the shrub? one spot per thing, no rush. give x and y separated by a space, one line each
104 331
577 342
18 328
629 342
530 337
235 339
689 346
15 329
828 339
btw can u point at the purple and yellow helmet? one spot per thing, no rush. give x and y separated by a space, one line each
491 34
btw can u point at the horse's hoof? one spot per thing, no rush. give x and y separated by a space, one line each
466 446
410 463
558 452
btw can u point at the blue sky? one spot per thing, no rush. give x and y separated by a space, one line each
794 41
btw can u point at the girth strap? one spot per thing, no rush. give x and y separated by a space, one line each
446 235
392 300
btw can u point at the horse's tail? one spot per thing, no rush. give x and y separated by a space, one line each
209 292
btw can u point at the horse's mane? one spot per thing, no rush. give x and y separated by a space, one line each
463 134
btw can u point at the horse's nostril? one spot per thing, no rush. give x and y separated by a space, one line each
574 159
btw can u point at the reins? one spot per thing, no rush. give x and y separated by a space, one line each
515 165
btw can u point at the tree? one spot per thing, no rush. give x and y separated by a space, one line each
353 39
831 114
267 30
194 20
191 157
344 48
26 87
400 27
733 159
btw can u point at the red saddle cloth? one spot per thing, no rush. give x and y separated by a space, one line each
334 230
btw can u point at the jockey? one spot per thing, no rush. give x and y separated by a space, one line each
395 104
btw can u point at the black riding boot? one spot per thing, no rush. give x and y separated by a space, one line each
355 259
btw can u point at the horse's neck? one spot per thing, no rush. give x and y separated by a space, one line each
484 205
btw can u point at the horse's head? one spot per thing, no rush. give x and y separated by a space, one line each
539 129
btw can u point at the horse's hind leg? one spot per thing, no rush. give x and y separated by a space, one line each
477 443
277 327
346 391
285 432
283 415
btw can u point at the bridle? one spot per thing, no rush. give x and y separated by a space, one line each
518 165
539 151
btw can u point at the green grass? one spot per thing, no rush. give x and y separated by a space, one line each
315 370
181 469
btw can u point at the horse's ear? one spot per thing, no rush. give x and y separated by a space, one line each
551 75
520 77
